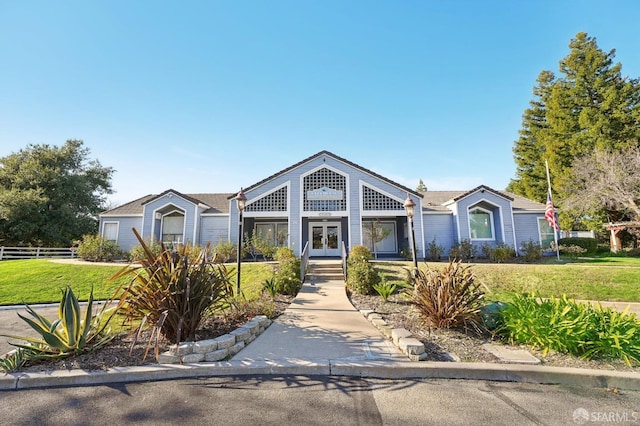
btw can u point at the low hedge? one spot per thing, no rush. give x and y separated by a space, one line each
589 244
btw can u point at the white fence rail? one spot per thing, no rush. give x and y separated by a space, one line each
7 253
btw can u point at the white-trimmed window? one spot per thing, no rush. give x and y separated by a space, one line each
389 244
274 232
481 224
110 231
546 233
173 228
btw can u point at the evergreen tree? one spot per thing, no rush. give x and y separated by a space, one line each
588 106
51 195
421 186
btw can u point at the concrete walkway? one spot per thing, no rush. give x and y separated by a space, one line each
320 325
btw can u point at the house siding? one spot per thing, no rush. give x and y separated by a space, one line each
167 203
445 218
527 226
441 228
126 238
502 217
214 229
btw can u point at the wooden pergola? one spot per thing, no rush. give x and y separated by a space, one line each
614 229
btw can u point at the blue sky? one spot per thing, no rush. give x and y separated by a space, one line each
211 96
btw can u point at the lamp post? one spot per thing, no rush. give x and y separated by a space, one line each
241 201
409 208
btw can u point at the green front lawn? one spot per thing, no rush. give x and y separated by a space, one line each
605 279
40 281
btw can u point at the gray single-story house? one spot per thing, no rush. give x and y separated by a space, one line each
329 202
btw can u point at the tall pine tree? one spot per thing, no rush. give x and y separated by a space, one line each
588 106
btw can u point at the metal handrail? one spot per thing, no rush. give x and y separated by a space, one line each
304 261
344 260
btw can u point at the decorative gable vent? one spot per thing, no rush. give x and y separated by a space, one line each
274 202
325 190
373 200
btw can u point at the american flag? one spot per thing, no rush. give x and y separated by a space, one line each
550 214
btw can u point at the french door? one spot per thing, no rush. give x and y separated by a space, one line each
325 238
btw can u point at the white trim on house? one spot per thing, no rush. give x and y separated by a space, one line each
111 222
490 222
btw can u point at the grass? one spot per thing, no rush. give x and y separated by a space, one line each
41 281
605 279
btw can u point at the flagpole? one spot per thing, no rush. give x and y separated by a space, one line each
555 232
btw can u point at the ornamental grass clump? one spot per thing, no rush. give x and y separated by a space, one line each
567 326
448 298
174 290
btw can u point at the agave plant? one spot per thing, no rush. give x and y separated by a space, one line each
71 333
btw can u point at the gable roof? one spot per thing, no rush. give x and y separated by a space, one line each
335 157
482 188
215 203
437 201
179 194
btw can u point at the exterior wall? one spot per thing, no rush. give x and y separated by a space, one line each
213 229
502 217
441 227
167 203
527 228
126 239
354 178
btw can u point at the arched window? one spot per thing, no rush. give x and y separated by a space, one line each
480 224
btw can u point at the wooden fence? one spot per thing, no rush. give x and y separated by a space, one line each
7 253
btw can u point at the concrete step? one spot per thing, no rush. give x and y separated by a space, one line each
324 270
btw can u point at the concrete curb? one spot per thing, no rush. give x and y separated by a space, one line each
325 367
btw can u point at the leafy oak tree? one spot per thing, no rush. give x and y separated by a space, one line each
589 106
51 195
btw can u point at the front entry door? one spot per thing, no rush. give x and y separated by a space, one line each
325 239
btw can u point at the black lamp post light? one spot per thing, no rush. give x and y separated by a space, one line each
410 208
241 201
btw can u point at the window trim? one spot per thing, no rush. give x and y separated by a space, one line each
275 225
111 222
393 233
491 222
540 221
184 225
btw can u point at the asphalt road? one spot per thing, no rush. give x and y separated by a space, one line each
295 400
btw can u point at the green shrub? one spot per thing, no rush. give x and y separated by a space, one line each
287 278
269 285
463 250
448 298
256 245
360 252
137 252
284 253
226 251
590 245
384 288
434 251
531 251
94 248
174 291
572 251
502 253
69 334
567 326
361 275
